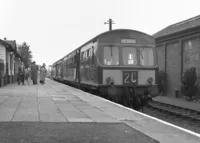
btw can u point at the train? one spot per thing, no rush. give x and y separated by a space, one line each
119 65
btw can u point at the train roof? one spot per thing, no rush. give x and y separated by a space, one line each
116 30
102 34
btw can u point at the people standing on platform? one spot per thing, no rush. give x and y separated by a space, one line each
34 73
43 72
21 72
27 75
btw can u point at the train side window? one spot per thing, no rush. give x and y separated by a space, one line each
92 52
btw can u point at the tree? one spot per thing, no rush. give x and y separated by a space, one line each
189 87
26 54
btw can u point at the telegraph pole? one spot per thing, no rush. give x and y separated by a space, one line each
110 22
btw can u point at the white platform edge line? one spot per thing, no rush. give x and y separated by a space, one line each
159 120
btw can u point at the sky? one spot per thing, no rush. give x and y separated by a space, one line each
54 28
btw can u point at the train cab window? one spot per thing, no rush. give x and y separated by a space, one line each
146 56
129 56
111 55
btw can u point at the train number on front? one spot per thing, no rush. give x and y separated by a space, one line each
130 77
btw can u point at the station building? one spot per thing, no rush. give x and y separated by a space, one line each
10 60
178 48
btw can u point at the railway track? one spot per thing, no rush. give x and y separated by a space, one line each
174 110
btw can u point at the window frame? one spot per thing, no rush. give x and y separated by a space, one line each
153 51
114 46
137 57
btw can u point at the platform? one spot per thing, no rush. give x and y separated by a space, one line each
178 102
57 112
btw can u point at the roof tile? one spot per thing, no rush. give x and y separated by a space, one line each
177 27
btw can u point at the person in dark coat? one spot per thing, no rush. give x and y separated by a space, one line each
34 73
21 72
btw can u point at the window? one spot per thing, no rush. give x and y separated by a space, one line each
146 56
82 54
129 56
191 55
111 55
88 53
92 50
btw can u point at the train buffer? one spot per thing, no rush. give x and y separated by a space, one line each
55 112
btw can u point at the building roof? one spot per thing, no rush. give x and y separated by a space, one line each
177 27
12 43
5 43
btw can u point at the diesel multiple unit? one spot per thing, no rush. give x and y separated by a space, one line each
119 65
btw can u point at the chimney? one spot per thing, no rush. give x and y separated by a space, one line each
5 38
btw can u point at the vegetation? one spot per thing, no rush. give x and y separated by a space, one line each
26 54
188 83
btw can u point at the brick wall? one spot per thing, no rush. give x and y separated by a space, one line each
173 67
161 56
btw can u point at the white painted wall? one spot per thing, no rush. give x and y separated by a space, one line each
8 58
3 55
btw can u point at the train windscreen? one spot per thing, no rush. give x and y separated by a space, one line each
111 55
131 54
146 56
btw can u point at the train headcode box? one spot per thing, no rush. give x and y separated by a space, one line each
130 77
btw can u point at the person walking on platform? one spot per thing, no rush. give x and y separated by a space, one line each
34 72
20 76
43 72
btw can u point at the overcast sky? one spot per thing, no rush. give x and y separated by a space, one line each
53 28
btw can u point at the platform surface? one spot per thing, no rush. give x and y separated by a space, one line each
178 102
57 112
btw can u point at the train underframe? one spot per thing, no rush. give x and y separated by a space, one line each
135 97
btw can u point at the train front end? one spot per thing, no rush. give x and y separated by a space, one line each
129 68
